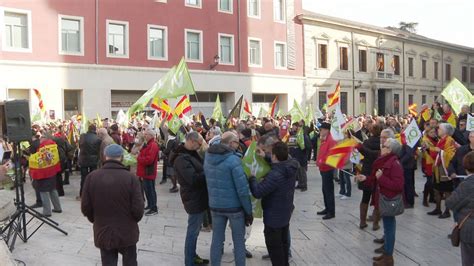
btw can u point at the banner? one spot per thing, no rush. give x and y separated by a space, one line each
412 134
457 95
470 123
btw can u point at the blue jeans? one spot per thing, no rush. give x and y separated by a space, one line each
345 183
237 226
389 229
328 191
192 233
150 193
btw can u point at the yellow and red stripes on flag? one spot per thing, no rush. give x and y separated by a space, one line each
183 106
247 107
70 133
401 138
412 110
339 154
286 137
450 118
273 107
161 105
40 100
335 96
426 113
45 163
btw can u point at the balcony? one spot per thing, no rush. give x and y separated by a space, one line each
384 76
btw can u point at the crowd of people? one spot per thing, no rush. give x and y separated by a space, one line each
203 160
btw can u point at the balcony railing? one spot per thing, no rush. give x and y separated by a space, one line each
385 76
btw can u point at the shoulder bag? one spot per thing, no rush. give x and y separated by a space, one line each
391 207
456 233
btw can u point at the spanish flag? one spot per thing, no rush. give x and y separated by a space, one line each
70 133
40 100
339 154
334 97
412 110
401 138
450 118
426 114
183 106
273 107
247 107
45 163
161 105
286 137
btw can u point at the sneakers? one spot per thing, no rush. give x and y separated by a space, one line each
200 261
206 229
151 212
174 189
345 198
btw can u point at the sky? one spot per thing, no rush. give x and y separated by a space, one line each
445 20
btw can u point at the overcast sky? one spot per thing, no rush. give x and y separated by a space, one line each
445 20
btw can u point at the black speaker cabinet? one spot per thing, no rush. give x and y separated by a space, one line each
16 124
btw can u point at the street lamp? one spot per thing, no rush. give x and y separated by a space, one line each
216 62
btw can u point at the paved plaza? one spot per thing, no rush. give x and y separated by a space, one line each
421 239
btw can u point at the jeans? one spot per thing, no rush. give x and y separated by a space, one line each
409 175
150 193
110 257
192 233
389 229
277 242
237 226
84 172
345 185
328 191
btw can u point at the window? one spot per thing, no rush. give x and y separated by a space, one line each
396 103
447 72
435 98
322 99
396 65
380 62
157 42
71 37
410 99
263 98
117 39
363 103
410 66
255 52
471 75
464 74
322 55
423 68
207 97
193 3
362 60
17 30
226 49
280 55
253 8
435 66
344 102
193 45
279 10
423 99
343 59
225 6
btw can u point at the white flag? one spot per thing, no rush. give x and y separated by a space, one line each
318 113
470 123
412 133
355 157
337 121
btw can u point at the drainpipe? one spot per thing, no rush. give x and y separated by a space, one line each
238 35
404 78
353 74
96 32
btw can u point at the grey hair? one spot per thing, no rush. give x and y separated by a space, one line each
394 145
389 132
192 136
216 131
448 128
228 137
267 140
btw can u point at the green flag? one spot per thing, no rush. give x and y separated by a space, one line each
178 84
296 112
457 95
84 124
174 124
262 112
235 112
309 114
436 115
300 138
217 112
279 113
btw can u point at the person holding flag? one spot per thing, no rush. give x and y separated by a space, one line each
428 141
327 172
299 146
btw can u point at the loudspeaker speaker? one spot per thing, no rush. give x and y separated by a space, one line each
16 124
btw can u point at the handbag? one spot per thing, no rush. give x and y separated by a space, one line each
391 207
456 233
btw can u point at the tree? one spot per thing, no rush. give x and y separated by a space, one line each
408 26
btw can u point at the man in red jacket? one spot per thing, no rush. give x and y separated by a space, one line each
327 172
146 170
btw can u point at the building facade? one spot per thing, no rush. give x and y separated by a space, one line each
385 69
100 56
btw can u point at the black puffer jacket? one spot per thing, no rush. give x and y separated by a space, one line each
188 167
371 151
89 145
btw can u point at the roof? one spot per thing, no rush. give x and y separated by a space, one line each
387 31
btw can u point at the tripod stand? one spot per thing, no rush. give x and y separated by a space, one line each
17 226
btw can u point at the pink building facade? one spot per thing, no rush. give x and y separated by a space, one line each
99 56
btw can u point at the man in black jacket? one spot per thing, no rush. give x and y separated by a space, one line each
299 154
189 171
89 145
277 191
407 159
